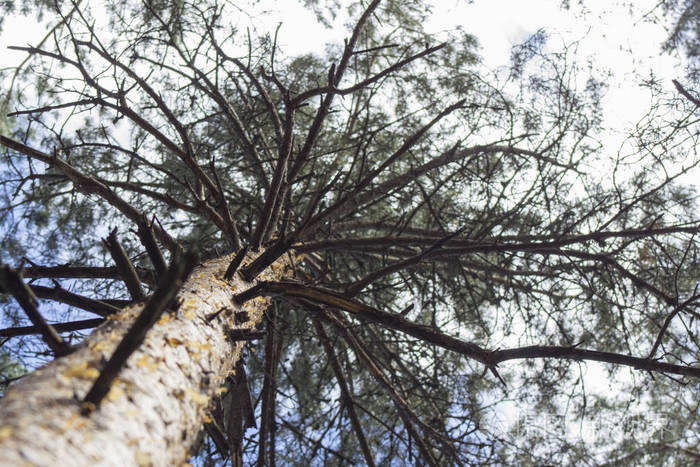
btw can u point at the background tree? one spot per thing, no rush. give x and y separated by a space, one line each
418 222
683 31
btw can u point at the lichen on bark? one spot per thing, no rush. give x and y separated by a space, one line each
158 403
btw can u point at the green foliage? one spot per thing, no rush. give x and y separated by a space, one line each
685 34
546 214
10 370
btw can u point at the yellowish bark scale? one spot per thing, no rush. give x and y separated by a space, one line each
157 405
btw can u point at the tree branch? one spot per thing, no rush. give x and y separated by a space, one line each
429 334
346 397
126 269
160 300
59 327
88 185
685 93
83 272
102 308
11 281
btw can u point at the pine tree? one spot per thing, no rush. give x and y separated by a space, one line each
410 240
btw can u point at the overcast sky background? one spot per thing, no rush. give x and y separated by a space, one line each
618 39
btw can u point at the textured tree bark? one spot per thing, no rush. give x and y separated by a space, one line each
160 400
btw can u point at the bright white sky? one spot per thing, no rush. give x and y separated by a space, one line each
618 41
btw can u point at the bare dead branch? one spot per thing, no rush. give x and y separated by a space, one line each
269 389
82 272
159 301
59 327
489 358
124 265
346 396
685 93
11 282
102 308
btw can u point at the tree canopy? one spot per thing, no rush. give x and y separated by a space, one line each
485 280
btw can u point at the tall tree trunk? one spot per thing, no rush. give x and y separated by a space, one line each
159 402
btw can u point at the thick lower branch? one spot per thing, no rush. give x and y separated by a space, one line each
82 272
101 308
574 353
12 282
468 349
59 327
